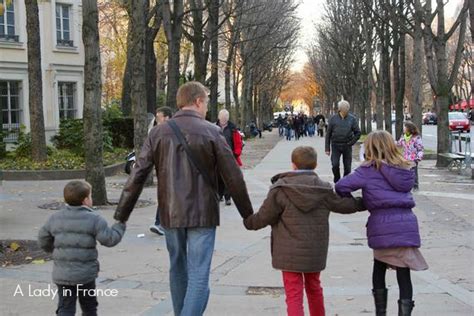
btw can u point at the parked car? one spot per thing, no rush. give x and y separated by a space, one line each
429 118
458 121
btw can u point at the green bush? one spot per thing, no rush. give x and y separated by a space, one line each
112 111
3 146
23 148
121 131
71 137
62 159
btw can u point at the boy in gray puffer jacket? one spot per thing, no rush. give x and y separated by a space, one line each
71 236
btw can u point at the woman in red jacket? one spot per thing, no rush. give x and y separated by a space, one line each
234 139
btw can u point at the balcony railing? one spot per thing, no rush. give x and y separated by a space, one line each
9 37
65 43
10 132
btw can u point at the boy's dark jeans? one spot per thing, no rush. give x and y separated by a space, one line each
67 300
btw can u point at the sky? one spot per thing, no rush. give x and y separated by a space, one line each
311 11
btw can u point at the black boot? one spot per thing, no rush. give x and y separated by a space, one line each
380 299
405 307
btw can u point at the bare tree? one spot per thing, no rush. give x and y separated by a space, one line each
92 103
35 83
172 24
138 29
441 80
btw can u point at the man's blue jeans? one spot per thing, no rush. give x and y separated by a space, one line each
190 251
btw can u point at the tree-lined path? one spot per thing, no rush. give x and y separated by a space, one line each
242 280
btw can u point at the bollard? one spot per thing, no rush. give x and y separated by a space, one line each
468 152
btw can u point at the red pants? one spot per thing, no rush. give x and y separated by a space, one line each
294 285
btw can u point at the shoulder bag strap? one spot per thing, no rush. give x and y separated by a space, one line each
193 159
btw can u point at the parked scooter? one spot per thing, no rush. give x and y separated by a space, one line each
268 127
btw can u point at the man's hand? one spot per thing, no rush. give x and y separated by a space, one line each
328 152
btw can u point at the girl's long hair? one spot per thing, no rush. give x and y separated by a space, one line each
380 147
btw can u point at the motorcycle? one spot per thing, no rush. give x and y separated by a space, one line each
130 158
130 162
268 127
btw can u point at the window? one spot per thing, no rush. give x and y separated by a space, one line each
63 25
67 108
11 109
7 22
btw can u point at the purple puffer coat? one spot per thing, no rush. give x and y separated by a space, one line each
386 194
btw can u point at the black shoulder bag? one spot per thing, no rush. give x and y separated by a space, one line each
192 159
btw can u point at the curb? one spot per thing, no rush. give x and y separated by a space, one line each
22 175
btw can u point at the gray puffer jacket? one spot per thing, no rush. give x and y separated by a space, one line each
71 236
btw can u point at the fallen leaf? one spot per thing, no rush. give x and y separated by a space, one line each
28 258
14 246
38 261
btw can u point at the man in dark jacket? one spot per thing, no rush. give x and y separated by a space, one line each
188 203
343 132
163 114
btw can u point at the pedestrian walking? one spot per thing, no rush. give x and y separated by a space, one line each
163 114
311 126
289 127
234 140
386 180
412 147
297 208
189 154
342 133
71 236
280 122
321 126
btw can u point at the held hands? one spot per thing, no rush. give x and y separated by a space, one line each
247 223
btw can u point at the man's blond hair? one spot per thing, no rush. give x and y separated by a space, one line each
189 92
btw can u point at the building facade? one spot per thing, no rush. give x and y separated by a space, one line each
62 59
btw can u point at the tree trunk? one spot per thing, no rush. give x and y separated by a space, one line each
235 94
93 139
228 65
399 71
172 22
35 83
417 106
138 86
150 71
126 84
214 25
387 88
471 22
379 98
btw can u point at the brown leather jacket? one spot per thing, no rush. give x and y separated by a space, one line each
297 207
184 198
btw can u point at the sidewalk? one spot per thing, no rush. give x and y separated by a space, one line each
243 281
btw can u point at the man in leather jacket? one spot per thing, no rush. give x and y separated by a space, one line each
189 206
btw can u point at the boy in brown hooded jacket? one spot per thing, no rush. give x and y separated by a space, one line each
297 207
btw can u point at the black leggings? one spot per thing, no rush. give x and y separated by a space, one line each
403 279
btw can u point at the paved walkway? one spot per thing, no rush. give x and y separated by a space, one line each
243 281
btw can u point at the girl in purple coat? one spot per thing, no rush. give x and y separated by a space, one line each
386 179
